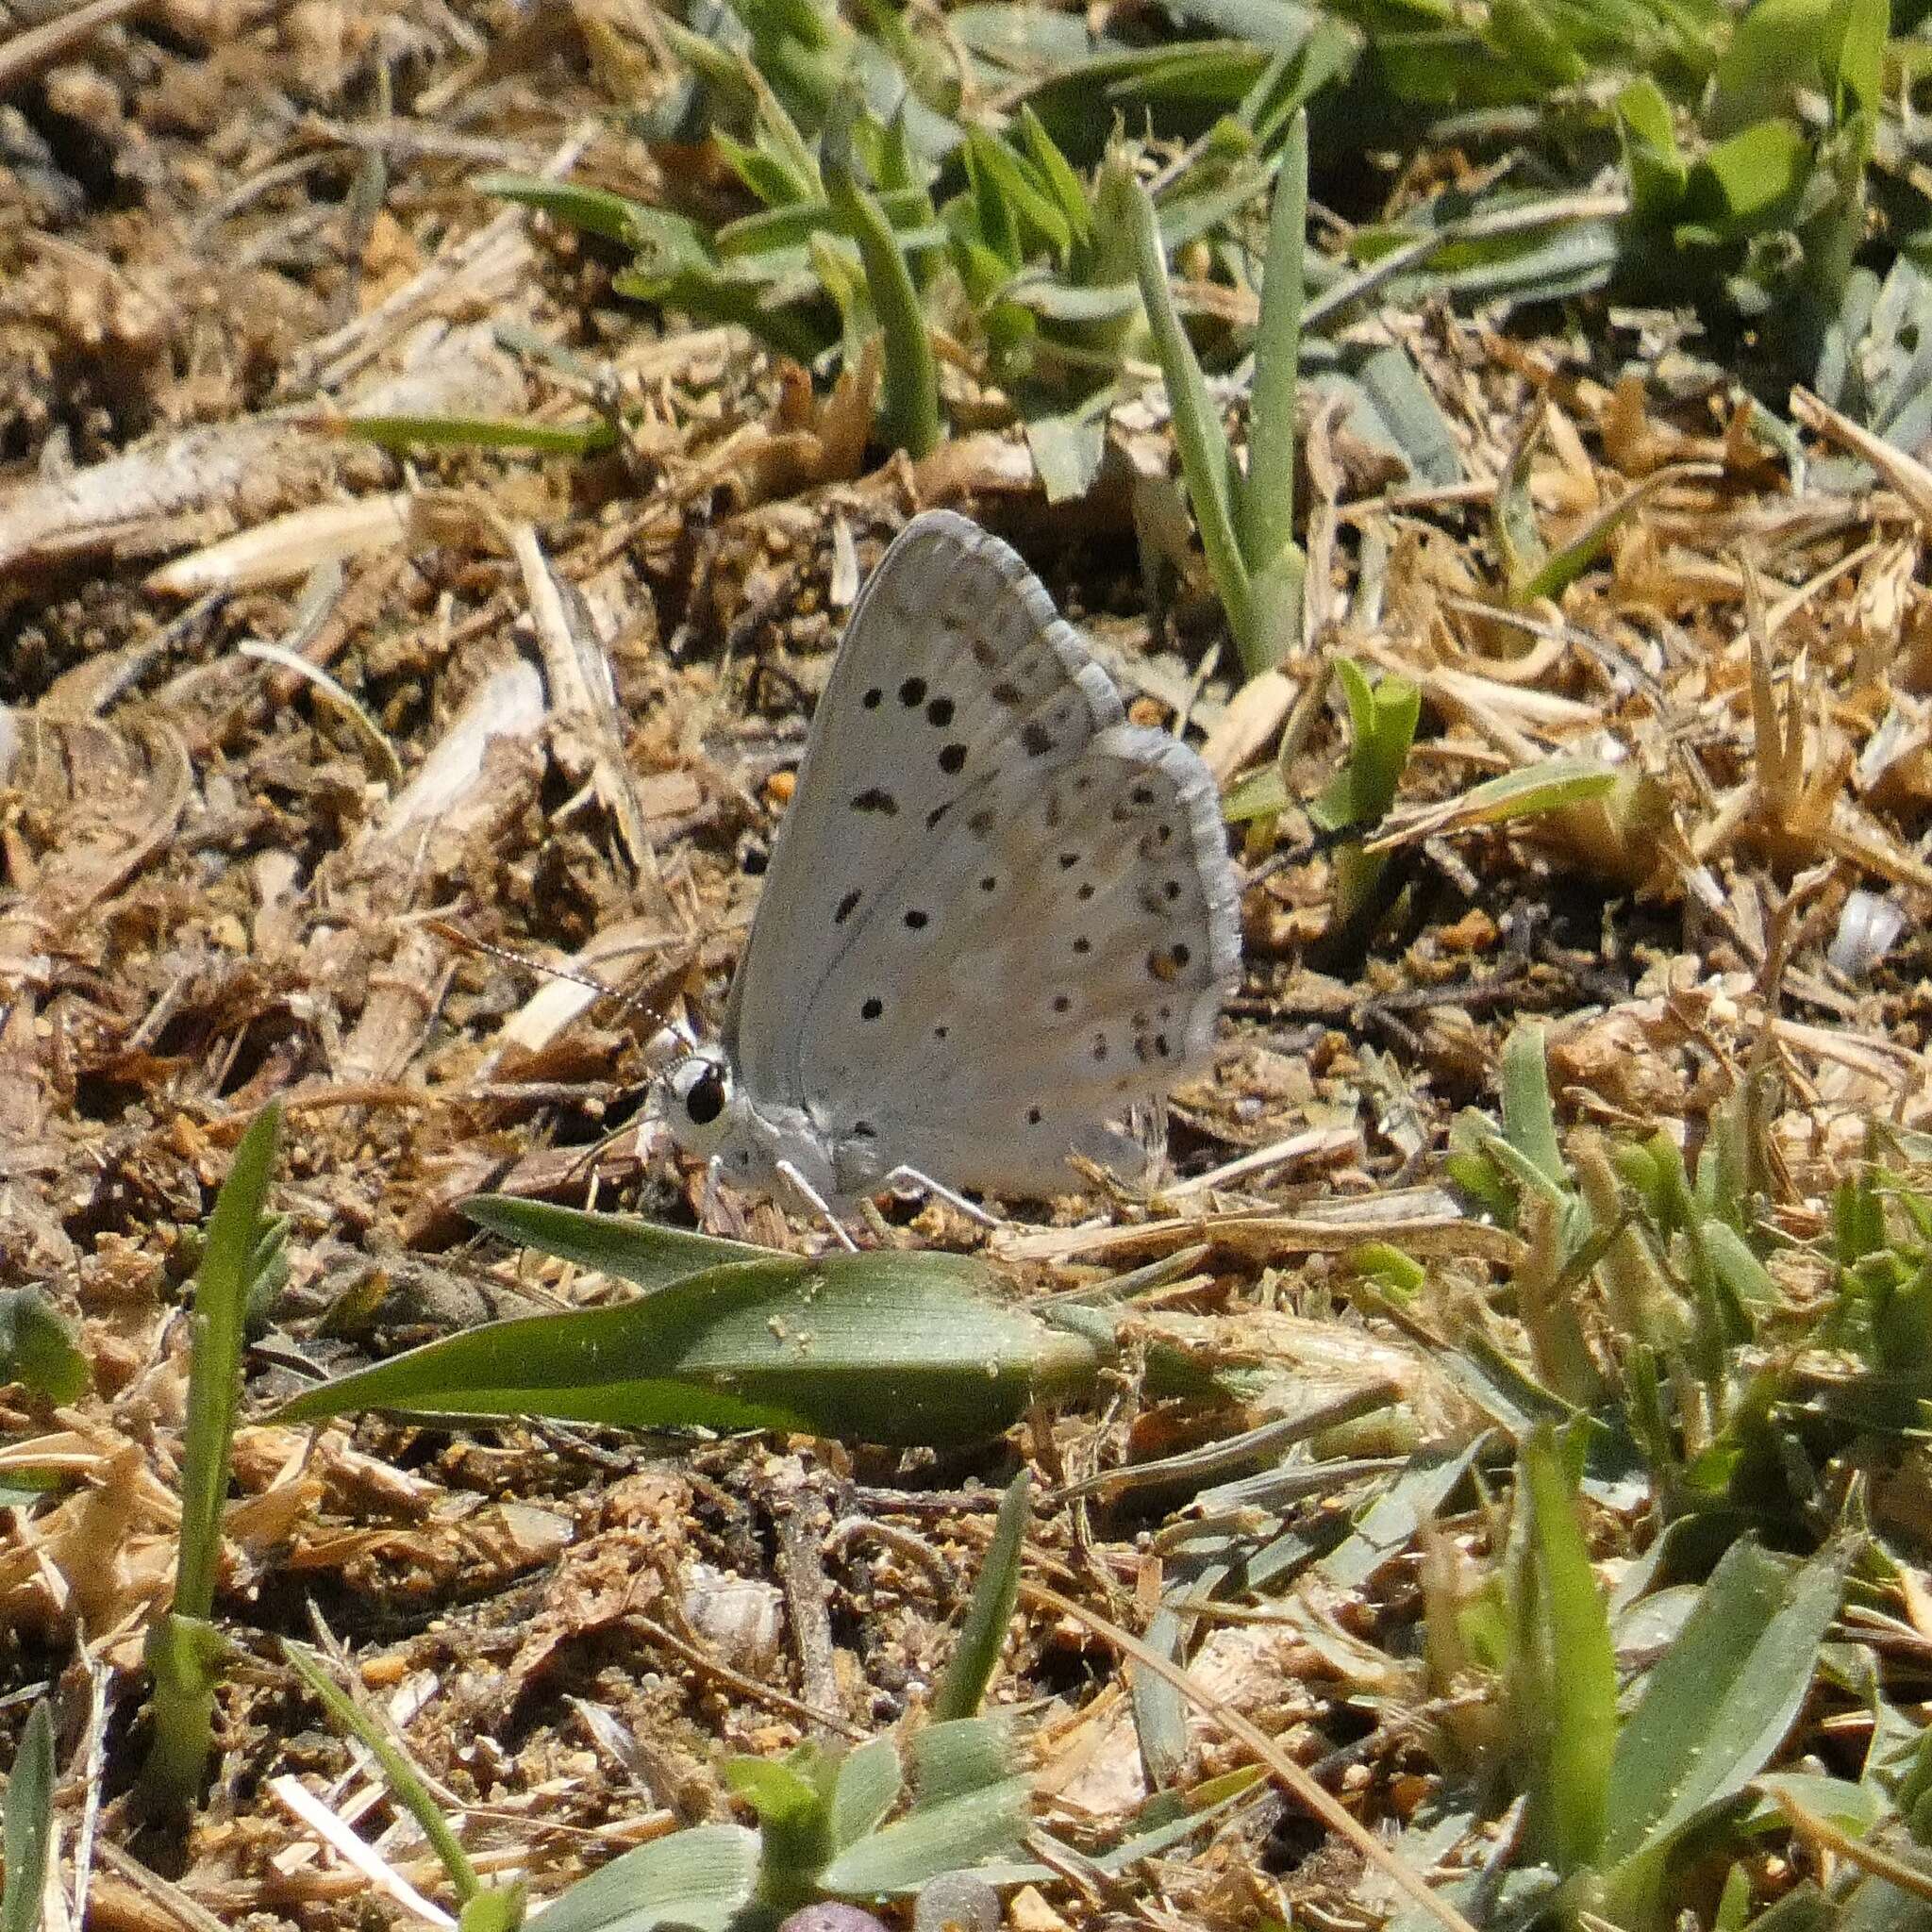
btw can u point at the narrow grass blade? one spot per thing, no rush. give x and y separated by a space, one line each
1206 465
594 210
402 1776
184 1652
989 1615
402 433
29 1824
1562 567
1267 495
1576 1672
228 1266
909 396
1529 1114
632 1249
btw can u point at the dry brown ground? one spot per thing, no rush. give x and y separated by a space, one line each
218 887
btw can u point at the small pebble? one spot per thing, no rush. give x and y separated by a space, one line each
956 1901
831 1915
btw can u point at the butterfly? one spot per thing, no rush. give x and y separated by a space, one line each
997 918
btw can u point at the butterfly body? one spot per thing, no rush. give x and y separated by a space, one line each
997 916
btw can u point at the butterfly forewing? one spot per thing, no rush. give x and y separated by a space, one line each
952 658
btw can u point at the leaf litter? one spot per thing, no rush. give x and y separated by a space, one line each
231 619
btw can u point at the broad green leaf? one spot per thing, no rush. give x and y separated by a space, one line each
1719 1702
794 1825
954 1759
1527 36
497 1909
1855 67
38 1348
881 1347
1748 183
1853 1807
867 1787
29 1824
1258 795
953 1836
700 1880
1777 47
1657 166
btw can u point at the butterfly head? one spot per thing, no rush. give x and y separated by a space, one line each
698 1098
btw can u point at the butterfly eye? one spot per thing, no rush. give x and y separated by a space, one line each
704 1099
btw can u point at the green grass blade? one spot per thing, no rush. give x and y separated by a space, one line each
704 1879
1267 494
402 1776
867 1787
909 390
1206 466
29 1824
404 433
950 1836
214 1382
632 1249
183 1651
1529 1114
990 1614
1577 1673
593 210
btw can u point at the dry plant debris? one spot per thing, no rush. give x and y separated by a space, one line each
281 707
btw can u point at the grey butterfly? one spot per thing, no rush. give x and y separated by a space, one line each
997 916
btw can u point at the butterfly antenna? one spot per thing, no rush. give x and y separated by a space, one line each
544 969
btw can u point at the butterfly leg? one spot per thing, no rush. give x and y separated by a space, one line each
791 1170
911 1176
